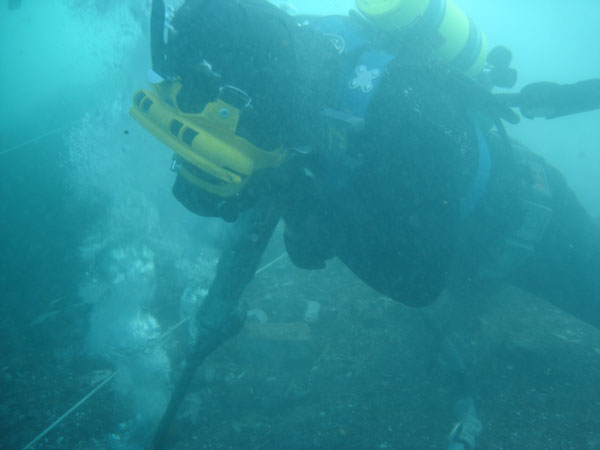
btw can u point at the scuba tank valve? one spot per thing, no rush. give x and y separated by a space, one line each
454 37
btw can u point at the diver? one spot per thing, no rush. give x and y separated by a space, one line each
369 149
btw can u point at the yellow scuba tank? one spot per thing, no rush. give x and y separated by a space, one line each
456 39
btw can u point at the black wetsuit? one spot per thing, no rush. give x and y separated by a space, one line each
388 204
404 201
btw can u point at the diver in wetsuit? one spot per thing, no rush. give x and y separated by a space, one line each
395 164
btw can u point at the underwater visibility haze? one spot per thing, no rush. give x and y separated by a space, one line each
102 268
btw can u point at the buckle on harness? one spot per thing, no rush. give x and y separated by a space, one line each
364 78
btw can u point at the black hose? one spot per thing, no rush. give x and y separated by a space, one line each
201 351
157 40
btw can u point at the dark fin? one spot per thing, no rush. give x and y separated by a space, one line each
540 99
579 97
552 100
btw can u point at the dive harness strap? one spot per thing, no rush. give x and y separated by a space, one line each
362 70
482 177
358 84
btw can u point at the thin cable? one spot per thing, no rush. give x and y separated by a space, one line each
182 321
112 375
37 138
73 408
266 266
173 328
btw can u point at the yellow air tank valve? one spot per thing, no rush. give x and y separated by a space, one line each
455 38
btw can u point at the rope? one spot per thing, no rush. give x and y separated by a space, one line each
37 138
182 321
73 408
173 328
113 374
266 266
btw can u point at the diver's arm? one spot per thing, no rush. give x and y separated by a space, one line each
246 240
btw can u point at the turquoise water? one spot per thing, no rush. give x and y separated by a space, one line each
98 259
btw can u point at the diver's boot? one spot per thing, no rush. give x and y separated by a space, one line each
467 429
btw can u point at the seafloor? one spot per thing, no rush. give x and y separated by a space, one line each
367 373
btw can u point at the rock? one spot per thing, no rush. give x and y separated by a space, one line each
284 345
279 331
258 315
311 315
